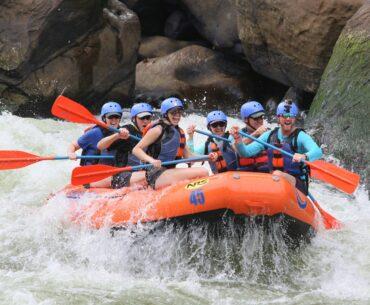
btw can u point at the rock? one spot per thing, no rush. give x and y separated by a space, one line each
215 20
340 111
95 66
196 73
157 46
291 41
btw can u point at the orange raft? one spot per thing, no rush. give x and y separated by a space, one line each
237 193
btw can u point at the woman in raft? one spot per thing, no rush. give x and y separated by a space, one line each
164 141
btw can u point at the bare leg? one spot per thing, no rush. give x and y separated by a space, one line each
137 177
174 175
102 183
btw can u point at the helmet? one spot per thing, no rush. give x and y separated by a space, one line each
140 108
287 106
250 108
170 103
216 116
111 107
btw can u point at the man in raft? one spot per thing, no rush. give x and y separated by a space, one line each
164 141
141 115
227 157
111 114
289 138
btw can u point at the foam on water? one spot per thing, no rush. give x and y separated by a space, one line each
45 260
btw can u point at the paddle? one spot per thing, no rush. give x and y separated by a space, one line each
91 173
330 222
12 159
69 110
212 135
327 172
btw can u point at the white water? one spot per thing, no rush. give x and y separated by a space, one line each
45 261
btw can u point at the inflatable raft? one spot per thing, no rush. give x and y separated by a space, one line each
241 194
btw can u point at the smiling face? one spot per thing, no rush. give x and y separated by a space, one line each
174 115
218 128
113 120
286 123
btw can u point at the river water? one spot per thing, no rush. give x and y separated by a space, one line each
43 260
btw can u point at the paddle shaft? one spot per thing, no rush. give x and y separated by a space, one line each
36 158
213 135
291 155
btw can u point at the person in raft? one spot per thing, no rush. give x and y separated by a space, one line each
141 115
227 158
164 140
289 138
111 114
253 114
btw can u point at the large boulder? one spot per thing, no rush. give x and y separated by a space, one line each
215 20
95 65
157 46
291 41
340 111
196 73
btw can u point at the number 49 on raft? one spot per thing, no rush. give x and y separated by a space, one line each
197 197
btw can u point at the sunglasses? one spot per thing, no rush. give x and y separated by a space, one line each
218 124
176 112
115 116
262 117
287 115
147 118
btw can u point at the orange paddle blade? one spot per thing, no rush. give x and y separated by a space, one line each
12 159
330 222
69 110
335 175
91 173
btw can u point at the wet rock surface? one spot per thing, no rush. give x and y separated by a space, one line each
340 111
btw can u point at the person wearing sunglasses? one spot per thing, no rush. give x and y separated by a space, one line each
164 141
141 116
253 114
111 114
289 138
226 156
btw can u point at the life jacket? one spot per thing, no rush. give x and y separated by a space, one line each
279 161
105 132
258 163
226 156
124 155
169 145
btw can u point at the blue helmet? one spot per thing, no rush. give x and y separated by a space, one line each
111 107
170 103
251 108
141 108
287 107
216 116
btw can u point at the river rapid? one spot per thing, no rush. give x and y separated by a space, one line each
44 260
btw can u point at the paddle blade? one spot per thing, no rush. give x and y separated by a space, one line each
69 110
335 175
12 159
92 173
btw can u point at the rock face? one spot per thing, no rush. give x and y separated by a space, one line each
157 46
215 20
71 45
341 109
291 41
195 72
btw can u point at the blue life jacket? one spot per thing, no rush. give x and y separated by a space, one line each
279 161
169 145
225 153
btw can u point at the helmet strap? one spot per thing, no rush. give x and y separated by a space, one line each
104 119
251 128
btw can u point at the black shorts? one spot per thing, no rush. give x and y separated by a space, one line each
121 180
152 174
